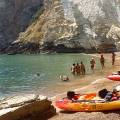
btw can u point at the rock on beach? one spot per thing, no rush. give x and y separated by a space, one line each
26 107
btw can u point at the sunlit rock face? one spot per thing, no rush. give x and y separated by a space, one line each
15 16
114 35
96 10
51 29
95 18
73 26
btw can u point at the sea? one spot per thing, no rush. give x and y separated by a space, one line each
38 73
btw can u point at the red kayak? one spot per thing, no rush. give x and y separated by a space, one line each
114 77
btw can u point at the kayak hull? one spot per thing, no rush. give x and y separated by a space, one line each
114 77
68 105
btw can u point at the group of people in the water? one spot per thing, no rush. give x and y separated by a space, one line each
79 69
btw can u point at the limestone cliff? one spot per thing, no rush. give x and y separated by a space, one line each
114 35
15 16
72 26
50 29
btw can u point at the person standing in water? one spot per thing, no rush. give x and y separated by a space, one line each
78 69
113 58
92 62
102 61
82 67
73 69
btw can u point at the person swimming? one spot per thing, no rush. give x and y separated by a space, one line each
64 78
37 74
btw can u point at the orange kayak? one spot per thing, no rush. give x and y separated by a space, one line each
88 104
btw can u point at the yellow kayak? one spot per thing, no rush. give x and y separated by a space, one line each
87 105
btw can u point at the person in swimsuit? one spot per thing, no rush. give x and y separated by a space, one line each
92 62
82 67
73 69
113 58
78 69
102 61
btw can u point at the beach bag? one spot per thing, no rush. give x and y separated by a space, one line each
70 94
109 96
102 93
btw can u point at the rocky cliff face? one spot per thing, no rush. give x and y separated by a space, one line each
72 26
95 18
15 16
114 35
50 30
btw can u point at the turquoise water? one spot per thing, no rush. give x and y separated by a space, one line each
18 72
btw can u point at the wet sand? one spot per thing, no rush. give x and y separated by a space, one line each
97 81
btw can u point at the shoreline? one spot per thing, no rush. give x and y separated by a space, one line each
100 75
82 81
92 82
94 86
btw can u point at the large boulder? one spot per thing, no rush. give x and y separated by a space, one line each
24 107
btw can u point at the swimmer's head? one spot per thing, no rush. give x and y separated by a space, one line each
38 74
